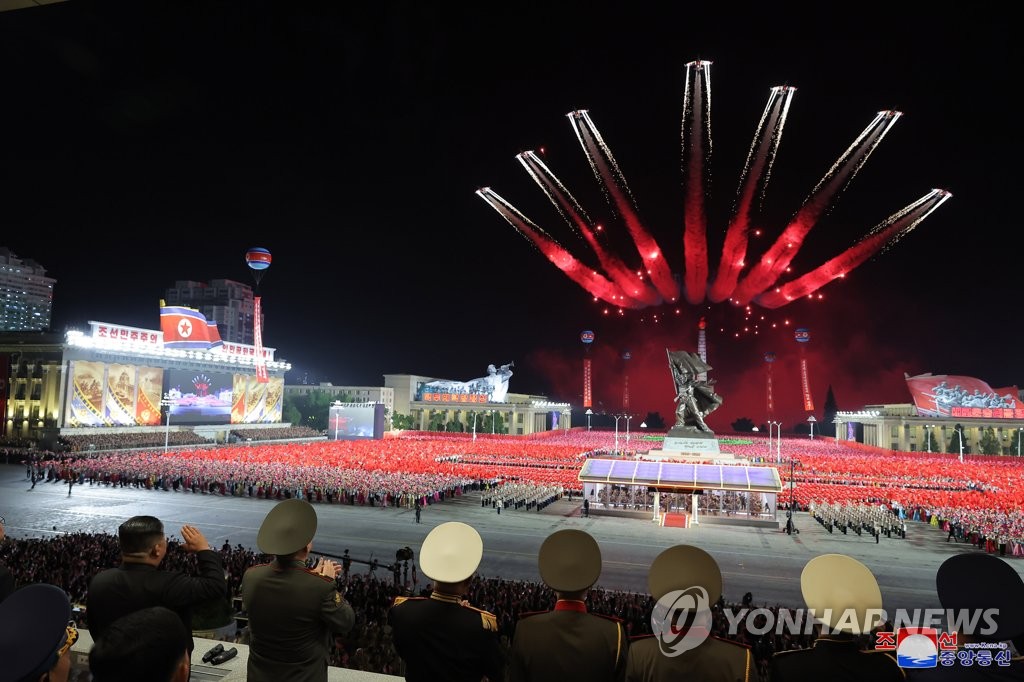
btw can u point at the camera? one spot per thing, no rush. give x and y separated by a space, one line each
404 554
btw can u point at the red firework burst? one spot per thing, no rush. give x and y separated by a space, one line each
625 287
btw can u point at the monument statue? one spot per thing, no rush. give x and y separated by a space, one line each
494 385
695 398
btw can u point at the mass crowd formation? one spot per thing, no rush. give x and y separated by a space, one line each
983 495
977 501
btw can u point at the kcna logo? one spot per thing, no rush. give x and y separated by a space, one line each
681 620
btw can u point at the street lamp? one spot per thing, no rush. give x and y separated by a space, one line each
474 425
778 429
836 423
628 417
960 432
589 412
1018 440
617 418
928 435
493 412
168 402
337 418
811 421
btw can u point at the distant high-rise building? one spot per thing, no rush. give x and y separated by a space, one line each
224 301
26 294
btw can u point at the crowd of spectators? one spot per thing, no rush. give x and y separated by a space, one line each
70 561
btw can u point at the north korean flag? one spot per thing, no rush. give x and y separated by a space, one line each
184 328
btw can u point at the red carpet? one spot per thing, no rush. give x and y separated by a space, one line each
676 520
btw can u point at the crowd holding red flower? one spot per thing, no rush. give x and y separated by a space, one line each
984 494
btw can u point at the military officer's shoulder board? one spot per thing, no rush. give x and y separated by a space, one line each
487 619
402 600
614 619
326 579
531 613
729 641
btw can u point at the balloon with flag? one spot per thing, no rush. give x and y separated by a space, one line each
769 358
258 259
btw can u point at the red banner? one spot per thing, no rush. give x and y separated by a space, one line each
587 397
257 336
947 395
805 382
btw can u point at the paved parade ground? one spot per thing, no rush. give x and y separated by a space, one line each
765 562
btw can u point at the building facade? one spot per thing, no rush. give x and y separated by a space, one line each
898 427
348 394
26 294
224 301
118 378
522 414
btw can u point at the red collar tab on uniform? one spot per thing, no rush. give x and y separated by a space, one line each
571 605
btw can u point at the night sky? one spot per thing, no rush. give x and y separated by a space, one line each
160 141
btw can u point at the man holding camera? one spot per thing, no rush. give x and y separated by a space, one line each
293 609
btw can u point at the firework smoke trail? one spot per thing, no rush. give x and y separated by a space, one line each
753 182
881 238
607 171
696 126
570 209
595 284
775 261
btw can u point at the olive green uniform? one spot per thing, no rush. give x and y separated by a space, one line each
566 644
838 659
293 613
713 660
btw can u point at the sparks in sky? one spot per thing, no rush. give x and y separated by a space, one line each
654 283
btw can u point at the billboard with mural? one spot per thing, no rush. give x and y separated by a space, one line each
255 402
101 394
948 395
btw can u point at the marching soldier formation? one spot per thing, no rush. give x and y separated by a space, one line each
520 496
859 518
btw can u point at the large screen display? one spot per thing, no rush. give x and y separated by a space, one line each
199 397
947 395
355 421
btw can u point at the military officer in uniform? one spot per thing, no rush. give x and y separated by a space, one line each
686 581
293 610
568 643
976 582
844 596
442 637
36 635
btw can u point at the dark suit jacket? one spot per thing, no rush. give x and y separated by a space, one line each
835 659
441 640
713 660
130 587
567 644
293 612
6 582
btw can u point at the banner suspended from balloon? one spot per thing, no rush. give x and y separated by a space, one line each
803 337
258 259
587 337
769 359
